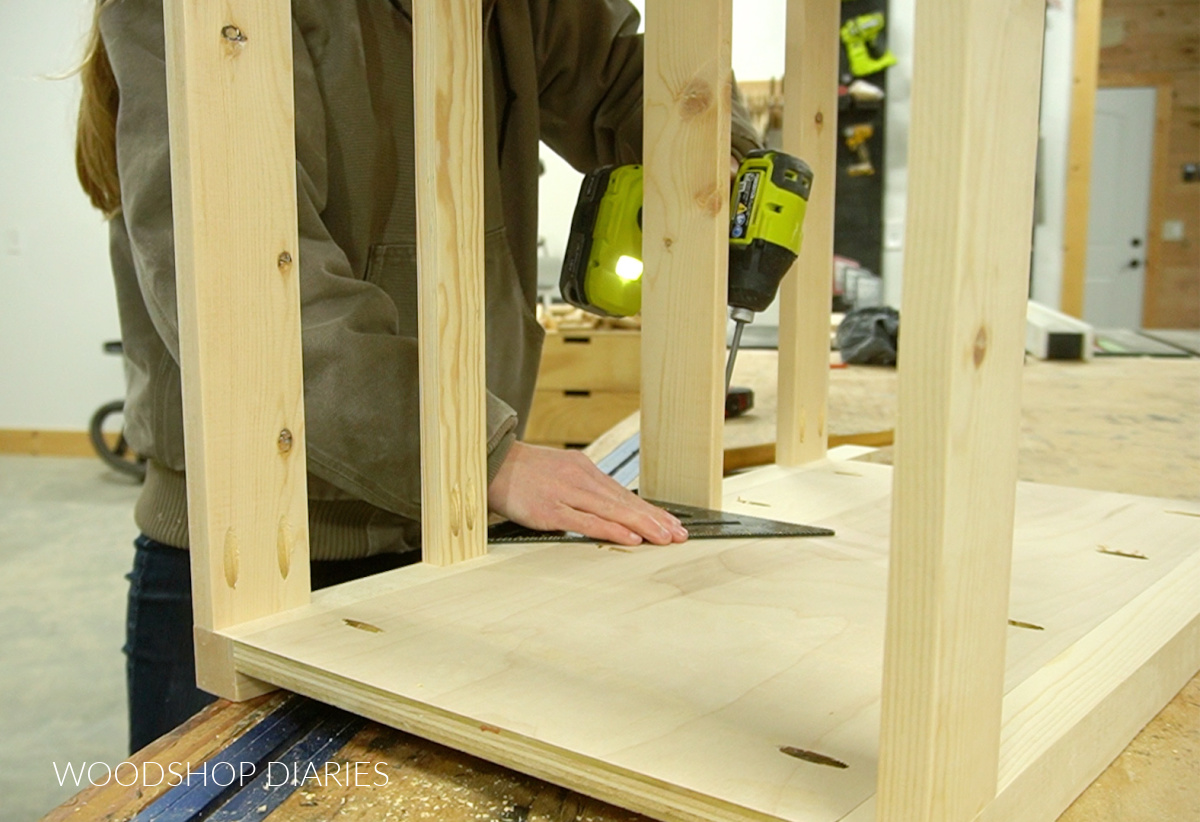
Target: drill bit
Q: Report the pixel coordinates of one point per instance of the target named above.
(741, 318)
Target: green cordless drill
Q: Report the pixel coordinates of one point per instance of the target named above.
(602, 267)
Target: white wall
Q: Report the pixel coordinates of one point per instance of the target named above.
(1058, 61)
(56, 296)
(897, 108)
(1052, 167)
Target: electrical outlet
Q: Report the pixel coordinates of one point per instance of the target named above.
(1172, 231)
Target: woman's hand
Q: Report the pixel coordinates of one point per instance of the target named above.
(552, 490)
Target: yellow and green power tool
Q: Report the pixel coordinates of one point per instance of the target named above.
(865, 48)
(602, 267)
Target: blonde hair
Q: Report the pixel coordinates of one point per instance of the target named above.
(96, 131)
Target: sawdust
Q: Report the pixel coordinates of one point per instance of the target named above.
(431, 782)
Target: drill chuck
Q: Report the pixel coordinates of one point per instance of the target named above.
(755, 273)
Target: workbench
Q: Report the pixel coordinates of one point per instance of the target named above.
(1129, 425)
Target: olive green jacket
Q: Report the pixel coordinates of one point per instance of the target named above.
(568, 73)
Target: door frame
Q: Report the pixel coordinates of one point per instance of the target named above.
(1079, 202)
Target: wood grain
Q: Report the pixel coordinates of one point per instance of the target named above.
(810, 133)
(578, 418)
(1120, 676)
(685, 247)
(591, 361)
(664, 680)
(229, 73)
(974, 141)
(45, 443)
(448, 81)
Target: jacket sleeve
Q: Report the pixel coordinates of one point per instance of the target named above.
(589, 65)
(360, 374)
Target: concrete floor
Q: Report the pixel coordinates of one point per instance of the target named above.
(66, 542)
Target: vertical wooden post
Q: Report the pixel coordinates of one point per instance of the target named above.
(1079, 155)
(448, 113)
(229, 77)
(971, 172)
(810, 132)
(685, 248)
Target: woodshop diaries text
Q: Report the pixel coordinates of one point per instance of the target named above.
(221, 774)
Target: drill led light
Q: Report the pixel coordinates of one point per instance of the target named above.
(629, 268)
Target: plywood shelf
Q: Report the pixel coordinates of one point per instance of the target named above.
(668, 680)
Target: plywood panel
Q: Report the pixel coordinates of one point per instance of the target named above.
(665, 679)
(1154, 36)
(591, 360)
(577, 417)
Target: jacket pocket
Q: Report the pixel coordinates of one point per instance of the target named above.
(393, 268)
(514, 336)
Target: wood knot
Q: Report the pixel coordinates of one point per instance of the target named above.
(711, 200)
(667, 242)
(979, 350)
(285, 441)
(235, 40)
(695, 99)
(284, 262)
(819, 118)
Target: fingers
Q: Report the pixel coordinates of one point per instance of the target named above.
(608, 500)
(599, 528)
(551, 490)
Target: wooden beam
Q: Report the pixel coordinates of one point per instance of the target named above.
(229, 78)
(48, 443)
(685, 248)
(971, 172)
(448, 82)
(752, 456)
(809, 132)
(1079, 155)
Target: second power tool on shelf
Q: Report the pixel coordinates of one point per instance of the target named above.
(602, 267)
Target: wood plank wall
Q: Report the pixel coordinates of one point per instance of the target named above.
(1164, 37)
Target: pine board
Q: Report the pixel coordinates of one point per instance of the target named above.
(667, 680)
(448, 148)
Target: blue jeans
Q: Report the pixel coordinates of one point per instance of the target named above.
(160, 666)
